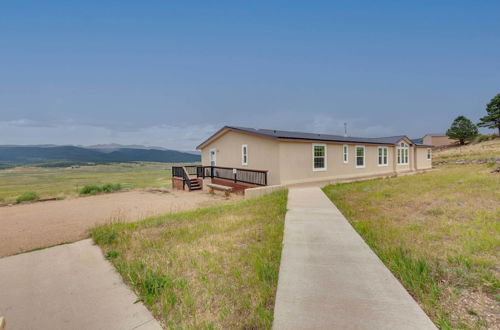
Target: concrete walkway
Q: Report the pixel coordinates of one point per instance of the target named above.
(330, 279)
(68, 287)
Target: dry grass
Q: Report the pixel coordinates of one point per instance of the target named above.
(210, 268)
(439, 233)
(487, 149)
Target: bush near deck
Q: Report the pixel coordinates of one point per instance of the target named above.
(439, 233)
(209, 268)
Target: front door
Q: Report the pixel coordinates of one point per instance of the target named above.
(213, 157)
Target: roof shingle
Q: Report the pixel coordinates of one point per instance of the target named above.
(290, 135)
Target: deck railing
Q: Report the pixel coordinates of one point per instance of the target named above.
(243, 175)
(183, 172)
(256, 177)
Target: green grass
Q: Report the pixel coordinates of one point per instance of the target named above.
(92, 189)
(68, 181)
(27, 196)
(210, 268)
(439, 233)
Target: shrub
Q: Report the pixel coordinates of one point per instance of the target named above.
(111, 187)
(27, 196)
(90, 189)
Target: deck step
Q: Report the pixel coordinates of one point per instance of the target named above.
(195, 185)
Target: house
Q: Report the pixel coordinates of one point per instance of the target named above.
(247, 157)
(437, 140)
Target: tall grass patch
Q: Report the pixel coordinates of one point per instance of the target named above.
(27, 196)
(439, 233)
(208, 268)
(92, 189)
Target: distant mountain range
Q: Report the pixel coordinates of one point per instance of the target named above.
(50, 155)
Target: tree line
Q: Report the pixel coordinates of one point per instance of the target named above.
(463, 129)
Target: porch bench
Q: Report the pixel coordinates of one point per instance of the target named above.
(212, 186)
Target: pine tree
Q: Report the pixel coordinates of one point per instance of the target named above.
(462, 129)
(492, 119)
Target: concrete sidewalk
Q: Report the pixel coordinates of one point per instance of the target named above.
(68, 287)
(330, 279)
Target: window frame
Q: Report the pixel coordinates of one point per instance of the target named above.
(212, 151)
(324, 157)
(384, 157)
(429, 153)
(403, 153)
(345, 153)
(244, 155)
(356, 156)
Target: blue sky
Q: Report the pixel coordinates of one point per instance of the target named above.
(170, 73)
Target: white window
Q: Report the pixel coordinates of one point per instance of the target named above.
(429, 154)
(345, 149)
(403, 154)
(360, 156)
(319, 157)
(244, 154)
(213, 157)
(383, 156)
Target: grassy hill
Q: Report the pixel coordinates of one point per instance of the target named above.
(438, 232)
(482, 150)
(70, 155)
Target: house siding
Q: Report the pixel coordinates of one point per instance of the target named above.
(289, 162)
(422, 162)
(437, 141)
(296, 162)
(262, 153)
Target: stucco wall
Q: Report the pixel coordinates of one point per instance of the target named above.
(262, 153)
(296, 162)
(422, 161)
(437, 141)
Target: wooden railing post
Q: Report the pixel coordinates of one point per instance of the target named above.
(186, 178)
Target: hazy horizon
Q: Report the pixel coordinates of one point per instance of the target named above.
(170, 74)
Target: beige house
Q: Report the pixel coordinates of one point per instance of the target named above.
(272, 157)
(437, 140)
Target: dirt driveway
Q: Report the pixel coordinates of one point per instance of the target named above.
(31, 226)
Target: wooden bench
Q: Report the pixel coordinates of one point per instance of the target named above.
(212, 186)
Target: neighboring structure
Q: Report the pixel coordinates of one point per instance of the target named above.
(256, 157)
(437, 140)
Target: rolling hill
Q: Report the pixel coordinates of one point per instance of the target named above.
(68, 155)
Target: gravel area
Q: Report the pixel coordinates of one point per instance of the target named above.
(31, 226)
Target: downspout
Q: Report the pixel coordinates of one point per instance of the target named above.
(413, 158)
(395, 160)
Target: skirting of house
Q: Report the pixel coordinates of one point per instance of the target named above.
(238, 187)
(261, 191)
